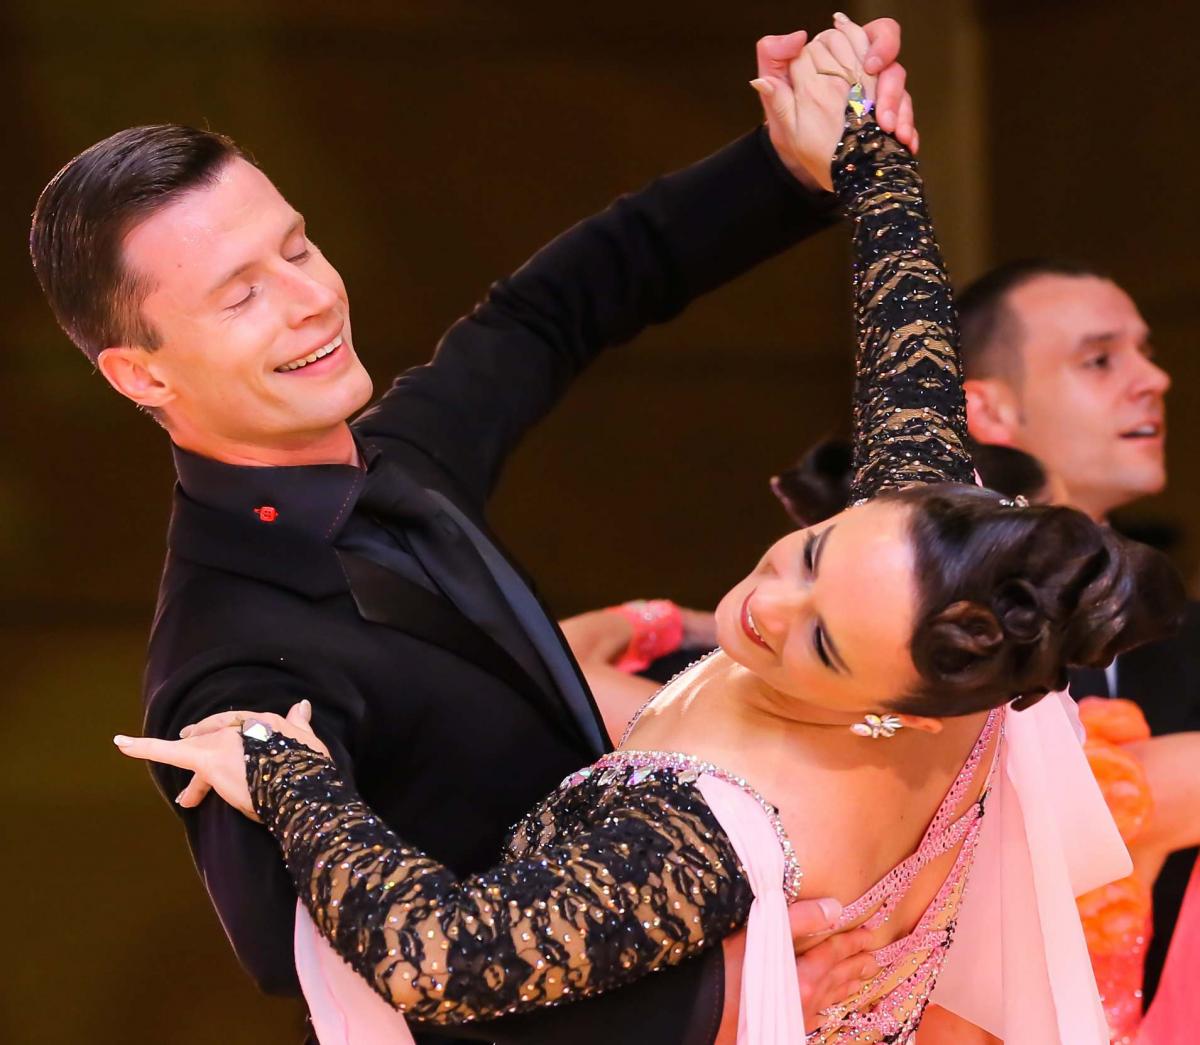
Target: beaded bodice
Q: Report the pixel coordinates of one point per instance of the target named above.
(625, 869)
(888, 1008)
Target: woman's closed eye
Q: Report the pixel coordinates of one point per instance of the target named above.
(818, 641)
(810, 572)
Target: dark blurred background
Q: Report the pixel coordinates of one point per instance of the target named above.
(432, 147)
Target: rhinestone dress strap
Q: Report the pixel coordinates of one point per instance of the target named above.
(942, 835)
(638, 766)
(888, 1008)
(654, 696)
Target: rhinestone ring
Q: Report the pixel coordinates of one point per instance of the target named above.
(256, 730)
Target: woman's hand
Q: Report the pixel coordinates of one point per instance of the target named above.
(806, 109)
(212, 749)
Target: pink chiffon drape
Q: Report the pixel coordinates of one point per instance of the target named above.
(1174, 1015)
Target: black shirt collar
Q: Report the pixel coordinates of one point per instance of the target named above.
(315, 499)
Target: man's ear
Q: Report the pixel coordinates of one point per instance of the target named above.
(993, 413)
(131, 372)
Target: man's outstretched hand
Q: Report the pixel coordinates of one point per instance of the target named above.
(893, 104)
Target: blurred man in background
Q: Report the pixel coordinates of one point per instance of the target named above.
(1059, 364)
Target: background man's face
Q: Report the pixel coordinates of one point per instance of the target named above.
(240, 297)
(1090, 399)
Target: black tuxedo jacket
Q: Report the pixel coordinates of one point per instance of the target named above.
(441, 731)
(1164, 679)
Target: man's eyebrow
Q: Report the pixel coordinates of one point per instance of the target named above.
(1102, 338)
(229, 277)
(1105, 337)
(830, 648)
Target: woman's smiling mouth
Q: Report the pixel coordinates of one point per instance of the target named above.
(749, 627)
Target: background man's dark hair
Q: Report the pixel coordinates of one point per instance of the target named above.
(989, 332)
(84, 214)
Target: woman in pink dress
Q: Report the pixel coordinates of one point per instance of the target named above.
(845, 740)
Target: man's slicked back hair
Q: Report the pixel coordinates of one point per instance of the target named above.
(83, 216)
(989, 332)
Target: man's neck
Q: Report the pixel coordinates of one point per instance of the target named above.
(334, 446)
(1095, 508)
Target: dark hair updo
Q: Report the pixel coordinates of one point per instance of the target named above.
(1009, 597)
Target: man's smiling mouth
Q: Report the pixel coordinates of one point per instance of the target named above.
(312, 357)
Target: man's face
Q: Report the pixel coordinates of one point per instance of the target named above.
(240, 299)
(1090, 401)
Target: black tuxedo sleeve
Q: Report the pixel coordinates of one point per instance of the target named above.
(236, 858)
(501, 368)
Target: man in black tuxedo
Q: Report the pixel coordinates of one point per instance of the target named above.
(1058, 364)
(351, 564)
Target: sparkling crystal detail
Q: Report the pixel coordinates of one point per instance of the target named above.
(256, 730)
(859, 103)
(877, 727)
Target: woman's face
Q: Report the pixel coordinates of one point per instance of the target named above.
(826, 616)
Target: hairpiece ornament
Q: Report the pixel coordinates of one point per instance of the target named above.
(877, 727)
(1020, 501)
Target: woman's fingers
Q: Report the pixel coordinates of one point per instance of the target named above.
(169, 752)
(220, 720)
(822, 59)
(842, 51)
(192, 795)
(300, 713)
(225, 719)
(857, 36)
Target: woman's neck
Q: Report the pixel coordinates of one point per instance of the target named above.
(726, 709)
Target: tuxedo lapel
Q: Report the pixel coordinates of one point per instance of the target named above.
(384, 597)
(295, 561)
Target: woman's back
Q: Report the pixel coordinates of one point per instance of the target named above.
(854, 809)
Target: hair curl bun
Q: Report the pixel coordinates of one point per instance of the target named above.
(1010, 598)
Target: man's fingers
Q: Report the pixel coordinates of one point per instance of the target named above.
(847, 945)
(905, 128)
(192, 795)
(884, 34)
(774, 53)
(889, 93)
(169, 752)
(808, 917)
(861, 967)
